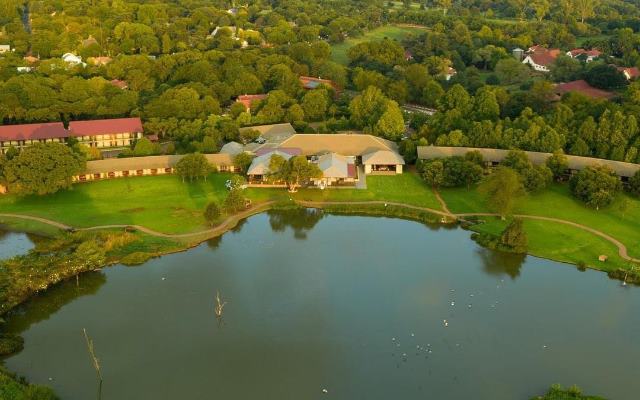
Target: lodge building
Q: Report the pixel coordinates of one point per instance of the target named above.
(105, 133)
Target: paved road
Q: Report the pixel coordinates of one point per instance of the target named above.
(622, 249)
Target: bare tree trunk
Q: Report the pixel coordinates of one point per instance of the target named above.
(95, 361)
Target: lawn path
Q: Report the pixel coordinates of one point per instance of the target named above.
(224, 226)
(443, 204)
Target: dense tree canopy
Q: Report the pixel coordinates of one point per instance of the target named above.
(42, 169)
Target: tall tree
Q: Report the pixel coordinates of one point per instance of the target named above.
(43, 169)
(502, 188)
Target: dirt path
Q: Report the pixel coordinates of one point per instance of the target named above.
(231, 221)
(443, 204)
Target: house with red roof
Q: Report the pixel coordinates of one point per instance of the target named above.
(581, 86)
(584, 55)
(250, 99)
(118, 132)
(540, 58)
(631, 73)
(20, 136)
(119, 84)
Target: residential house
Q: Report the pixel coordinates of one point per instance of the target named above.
(98, 61)
(250, 99)
(451, 72)
(631, 73)
(584, 55)
(5, 48)
(20, 136)
(119, 132)
(582, 87)
(119, 84)
(24, 69)
(73, 59)
(540, 58)
(31, 59)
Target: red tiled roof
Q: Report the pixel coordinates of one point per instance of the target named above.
(119, 84)
(51, 130)
(249, 99)
(633, 72)
(105, 126)
(584, 88)
(589, 53)
(543, 58)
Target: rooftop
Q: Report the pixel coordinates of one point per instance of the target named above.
(105, 126)
(50, 130)
(348, 144)
(497, 155)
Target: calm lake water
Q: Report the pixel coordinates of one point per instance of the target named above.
(13, 244)
(353, 305)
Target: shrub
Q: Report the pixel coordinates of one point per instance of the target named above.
(596, 185)
(212, 213)
(10, 344)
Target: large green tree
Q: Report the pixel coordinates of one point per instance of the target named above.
(43, 169)
(193, 166)
(502, 188)
(596, 185)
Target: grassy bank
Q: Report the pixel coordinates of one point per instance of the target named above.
(15, 388)
(561, 242)
(168, 205)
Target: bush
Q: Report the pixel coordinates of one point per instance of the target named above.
(634, 184)
(514, 237)
(596, 185)
(137, 258)
(10, 344)
(234, 201)
(493, 80)
(212, 213)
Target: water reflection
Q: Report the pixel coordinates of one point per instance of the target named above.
(41, 307)
(373, 308)
(300, 220)
(499, 263)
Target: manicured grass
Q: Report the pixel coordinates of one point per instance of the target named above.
(339, 51)
(163, 203)
(166, 204)
(561, 243)
(557, 202)
(407, 188)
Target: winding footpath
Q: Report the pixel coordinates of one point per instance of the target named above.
(233, 220)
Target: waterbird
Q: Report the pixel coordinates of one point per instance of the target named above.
(325, 391)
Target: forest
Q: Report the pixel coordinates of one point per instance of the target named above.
(181, 65)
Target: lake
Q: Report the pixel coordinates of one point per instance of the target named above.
(13, 243)
(366, 308)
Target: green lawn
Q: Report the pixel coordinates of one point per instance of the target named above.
(561, 243)
(617, 221)
(407, 188)
(166, 204)
(339, 51)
